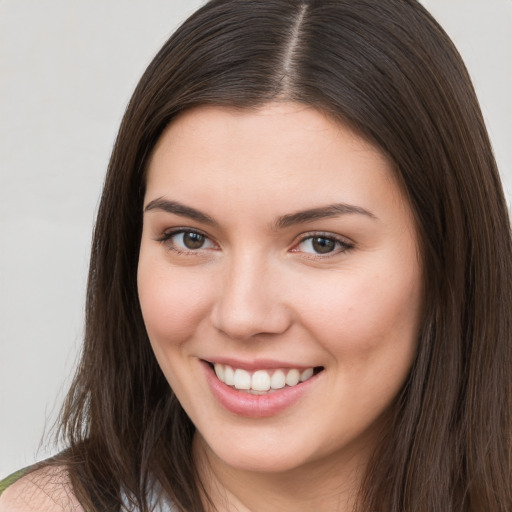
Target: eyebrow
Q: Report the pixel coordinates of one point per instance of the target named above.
(302, 217)
(324, 212)
(180, 209)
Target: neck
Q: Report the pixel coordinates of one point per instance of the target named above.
(324, 486)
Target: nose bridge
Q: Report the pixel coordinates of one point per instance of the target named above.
(248, 301)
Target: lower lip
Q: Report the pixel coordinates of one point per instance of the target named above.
(255, 406)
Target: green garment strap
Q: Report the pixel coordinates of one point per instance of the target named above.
(6, 482)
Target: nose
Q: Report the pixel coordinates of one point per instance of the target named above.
(250, 300)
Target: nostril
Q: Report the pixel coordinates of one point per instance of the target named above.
(245, 311)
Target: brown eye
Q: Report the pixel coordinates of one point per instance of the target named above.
(323, 245)
(192, 240)
(184, 241)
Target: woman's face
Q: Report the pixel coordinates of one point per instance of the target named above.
(278, 249)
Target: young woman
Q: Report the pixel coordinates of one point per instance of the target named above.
(300, 279)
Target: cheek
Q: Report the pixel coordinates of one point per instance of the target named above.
(172, 307)
(366, 315)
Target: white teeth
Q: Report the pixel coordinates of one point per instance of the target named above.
(229, 376)
(219, 371)
(242, 379)
(278, 380)
(293, 377)
(306, 374)
(261, 381)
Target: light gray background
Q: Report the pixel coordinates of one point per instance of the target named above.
(67, 69)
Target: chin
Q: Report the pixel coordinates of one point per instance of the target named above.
(267, 456)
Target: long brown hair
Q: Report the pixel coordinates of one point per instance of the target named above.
(387, 69)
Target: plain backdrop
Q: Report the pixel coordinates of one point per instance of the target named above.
(67, 70)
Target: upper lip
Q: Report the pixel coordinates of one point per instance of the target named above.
(258, 364)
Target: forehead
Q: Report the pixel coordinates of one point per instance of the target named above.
(274, 123)
(279, 143)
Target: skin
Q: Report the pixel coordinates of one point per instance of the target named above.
(257, 289)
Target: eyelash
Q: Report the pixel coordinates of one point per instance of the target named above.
(166, 240)
(341, 244)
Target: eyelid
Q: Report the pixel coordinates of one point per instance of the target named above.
(166, 236)
(345, 244)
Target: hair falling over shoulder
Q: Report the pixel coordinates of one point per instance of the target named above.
(386, 69)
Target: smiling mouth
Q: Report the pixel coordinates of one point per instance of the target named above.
(262, 382)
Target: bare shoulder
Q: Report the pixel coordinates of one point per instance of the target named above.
(45, 490)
